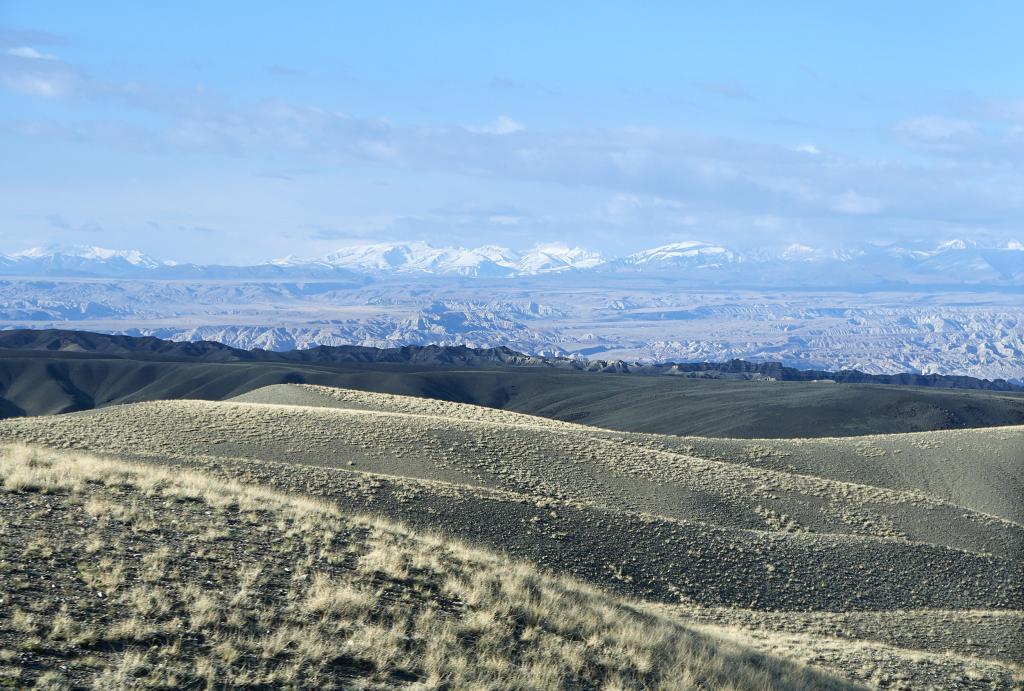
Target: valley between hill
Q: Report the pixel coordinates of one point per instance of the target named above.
(83, 375)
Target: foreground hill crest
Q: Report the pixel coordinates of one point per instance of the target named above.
(342, 600)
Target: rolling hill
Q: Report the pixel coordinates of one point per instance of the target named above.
(138, 578)
(878, 573)
(55, 372)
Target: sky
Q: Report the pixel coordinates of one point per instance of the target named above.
(243, 131)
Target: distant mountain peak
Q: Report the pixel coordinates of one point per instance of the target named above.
(798, 252)
(950, 261)
(558, 256)
(87, 253)
(955, 244)
(421, 257)
(689, 253)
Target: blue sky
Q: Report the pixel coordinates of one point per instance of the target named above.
(237, 132)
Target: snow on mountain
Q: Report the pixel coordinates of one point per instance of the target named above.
(949, 261)
(101, 262)
(799, 253)
(954, 261)
(923, 250)
(290, 261)
(79, 260)
(802, 253)
(489, 260)
(420, 257)
(557, 257)
(87, 253)
(481, 261)
(384, 257)
(691, 254)
(965, 259)
(955, 244)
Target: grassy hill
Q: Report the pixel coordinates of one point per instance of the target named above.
(122, 576)
(46, 382)
(855, 555)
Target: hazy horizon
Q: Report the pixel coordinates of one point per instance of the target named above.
(237, 135)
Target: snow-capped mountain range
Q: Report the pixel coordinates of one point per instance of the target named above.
(948, 262)
(79, 258)
(951, 308)
(488, 260)
(691, 254)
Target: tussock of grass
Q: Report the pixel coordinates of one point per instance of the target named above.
(157, 579)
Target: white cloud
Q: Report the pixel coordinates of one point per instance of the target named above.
(26, 70)
(935, 127)
(502, 125)
(1007, 109)
(851, 202)
(770, 223)
(995, 132)
(34, 85)
(29, 53)
(647, 210)
(656, 178)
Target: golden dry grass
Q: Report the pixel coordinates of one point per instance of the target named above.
(120, 576)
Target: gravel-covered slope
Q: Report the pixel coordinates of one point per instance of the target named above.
(808, 560)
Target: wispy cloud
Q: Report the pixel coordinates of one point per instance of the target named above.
(29, 53)
(965, 164)
(991, 131)
(501, 125)
(11, 37)
(285, 71)
(852, 202)
(935, 128)
(730, 175)
(1005, 109)
(726, 89)
(507, 84)
(29, 71)
(58, 222)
